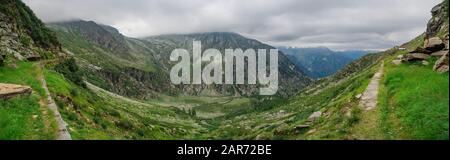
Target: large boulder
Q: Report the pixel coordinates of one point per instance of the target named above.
(421, 50)
(434, 44)
(439, 53)
(396, 62)
(415, 57)
(8, 91)
(315, 116)
(441, 65)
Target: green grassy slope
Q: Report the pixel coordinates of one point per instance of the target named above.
(413, 104)
(414, 99)
(132, 73)
(417, 98)
(100, 115)
(25, 117)
(281, 120)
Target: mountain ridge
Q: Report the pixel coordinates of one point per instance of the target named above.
(155, 52)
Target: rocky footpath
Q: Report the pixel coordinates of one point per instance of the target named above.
(8, 91)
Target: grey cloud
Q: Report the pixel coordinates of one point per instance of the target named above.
(338, 24)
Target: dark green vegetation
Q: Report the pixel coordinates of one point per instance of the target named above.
(71, 71)
(320, 62)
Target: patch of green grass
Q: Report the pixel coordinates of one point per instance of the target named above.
(16, 114)
(25, 74)
(419, 98)
(17, 123)
(279, 120)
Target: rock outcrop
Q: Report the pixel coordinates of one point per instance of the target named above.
(442, 65)
(315, 116)
(436, 42)
(8, 91)
(22, 35)
(415, 57)
(439, 53)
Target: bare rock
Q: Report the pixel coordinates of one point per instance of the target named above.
(425, 63)
(435, 25)
(421, 50)
(442, 65)
(301, 127)
(434, 44)
(312, 131)
(8, 91)
(397, 62)
(439, 53)
(315, 116)
(415, 57)
(260, 137)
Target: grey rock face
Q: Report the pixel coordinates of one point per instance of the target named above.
(420, 50)
(439, 53)
(442, 65)
(315, 116)
(10, 41)
(436, 24)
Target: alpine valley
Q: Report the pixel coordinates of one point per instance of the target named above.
(83, 80)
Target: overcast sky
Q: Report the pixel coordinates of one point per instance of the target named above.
(337, 24)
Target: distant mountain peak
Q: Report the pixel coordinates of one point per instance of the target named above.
(319, 62)
(105, 36)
